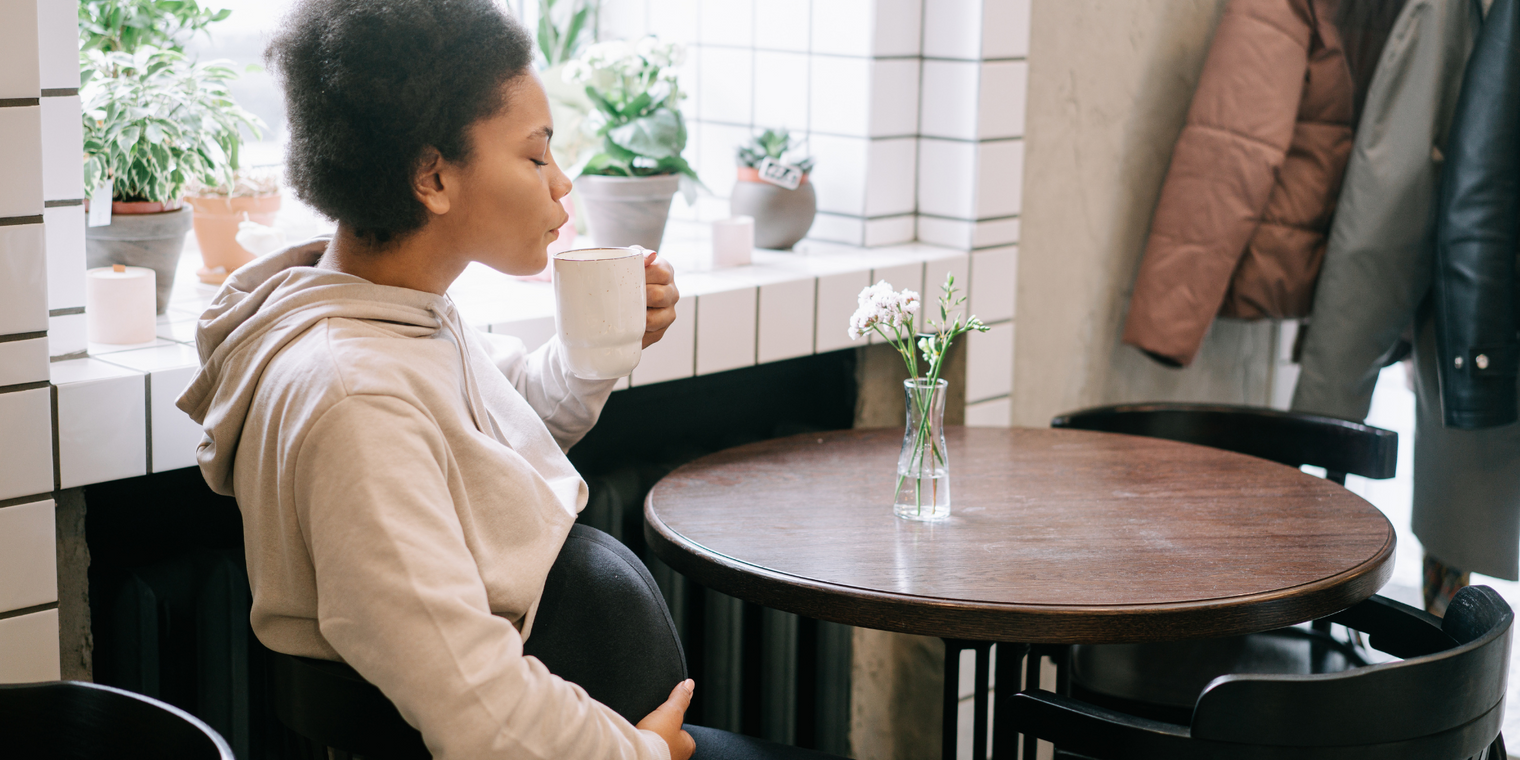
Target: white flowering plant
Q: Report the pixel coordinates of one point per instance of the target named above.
(633, 87)
(892, 315)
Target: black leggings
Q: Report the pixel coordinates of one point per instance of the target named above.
(603, 624)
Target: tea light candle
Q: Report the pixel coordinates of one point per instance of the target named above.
(733, 241)
(120, 304)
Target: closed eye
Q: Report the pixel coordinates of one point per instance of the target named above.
(537, 162)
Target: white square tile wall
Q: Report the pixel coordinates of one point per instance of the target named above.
(674, 356)
(26, 449)
(995, 274)
(725, 330)
(837, 296)
(786, 320)
(727, 22)
(840, 177)
(835, 228)
(783, 25)
(947, 178)
(781, 92)
(727, 99)
(843, 27)
(995, 413)
(23, 275)
(890, 230)
(58, 34)
(999, 178)
(63, 234)
(102, 422)
(1005, 29)
(62, 136)
(19, 76)
(170, 369)
(23, 361)
(28, 565)
(67, 334)
(951, 233)
(20, 157)
(29, 648)
(953, 29)
(674, 20)
(950, 99)
(894, 97)
(935, 272)
(989, 363)
(897, 27)
(1001, 97)
(995, 232)
(841, 96)
(892, 168)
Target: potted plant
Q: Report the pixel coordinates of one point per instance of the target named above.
(251, 196)
(153, 121)
(627, 183)
(773, 188)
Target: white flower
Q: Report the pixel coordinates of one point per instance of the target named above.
(879, 305)
(576, 72)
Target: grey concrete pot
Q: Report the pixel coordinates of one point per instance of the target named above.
(782, 216)
(623, 211)
(154, 241)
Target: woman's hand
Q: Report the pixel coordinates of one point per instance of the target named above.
(660, 295)
(666, 719)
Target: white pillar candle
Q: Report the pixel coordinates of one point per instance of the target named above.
(733, 241)
(120, 304)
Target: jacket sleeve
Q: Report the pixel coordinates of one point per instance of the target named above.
(1378, 260)
(400, 599)
(1236, 137)
(1476, 234)
(568, 405)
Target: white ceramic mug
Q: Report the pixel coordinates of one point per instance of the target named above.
(599, 310)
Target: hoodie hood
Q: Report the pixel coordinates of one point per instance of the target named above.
(260, 309)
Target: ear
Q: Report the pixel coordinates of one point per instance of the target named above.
(429, 181)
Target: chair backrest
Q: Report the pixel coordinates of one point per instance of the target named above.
(1445, 701)
(1291, 438)
(84, 721)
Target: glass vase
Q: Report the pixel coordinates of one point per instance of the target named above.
(923, 466)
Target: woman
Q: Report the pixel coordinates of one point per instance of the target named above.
(402, 477)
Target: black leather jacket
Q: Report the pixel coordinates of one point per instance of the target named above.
(1478, 234)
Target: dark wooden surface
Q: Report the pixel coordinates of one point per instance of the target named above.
(1055, 536)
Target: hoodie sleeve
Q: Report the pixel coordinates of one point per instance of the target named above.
(401, 601)
(568, 405)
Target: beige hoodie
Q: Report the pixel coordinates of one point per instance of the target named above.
(404, 490)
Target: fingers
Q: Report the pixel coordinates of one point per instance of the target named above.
(680, 696)
(658, 271)
(683, 747)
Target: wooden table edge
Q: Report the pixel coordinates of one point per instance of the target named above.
(1031, 624)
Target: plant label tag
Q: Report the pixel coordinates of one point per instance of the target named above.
(100, 206)
(779, 174)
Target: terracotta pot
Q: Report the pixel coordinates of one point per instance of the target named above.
(153, 240)
(216, 227)
(782, 216)
(624, 211)
(139, 207)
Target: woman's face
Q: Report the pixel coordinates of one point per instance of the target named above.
(506, 210)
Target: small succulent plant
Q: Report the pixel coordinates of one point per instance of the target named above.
(775, 144)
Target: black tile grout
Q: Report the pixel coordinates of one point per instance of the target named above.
(19, 387)
(23, 336)
(19, 500)
(28, 610)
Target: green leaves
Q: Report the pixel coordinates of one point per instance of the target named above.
(661, 134)
(153, 121)
(559, 43)
(775, 144)
(127, 25)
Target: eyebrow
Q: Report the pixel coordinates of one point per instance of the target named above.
(545, 132)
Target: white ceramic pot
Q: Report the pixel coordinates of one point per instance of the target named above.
(623, 211)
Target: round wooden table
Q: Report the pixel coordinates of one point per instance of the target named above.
(1054, 537)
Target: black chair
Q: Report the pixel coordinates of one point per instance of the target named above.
(1290, 438)
(85, 721)
(1161, 681)
(601, 624)
(1444, 701)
